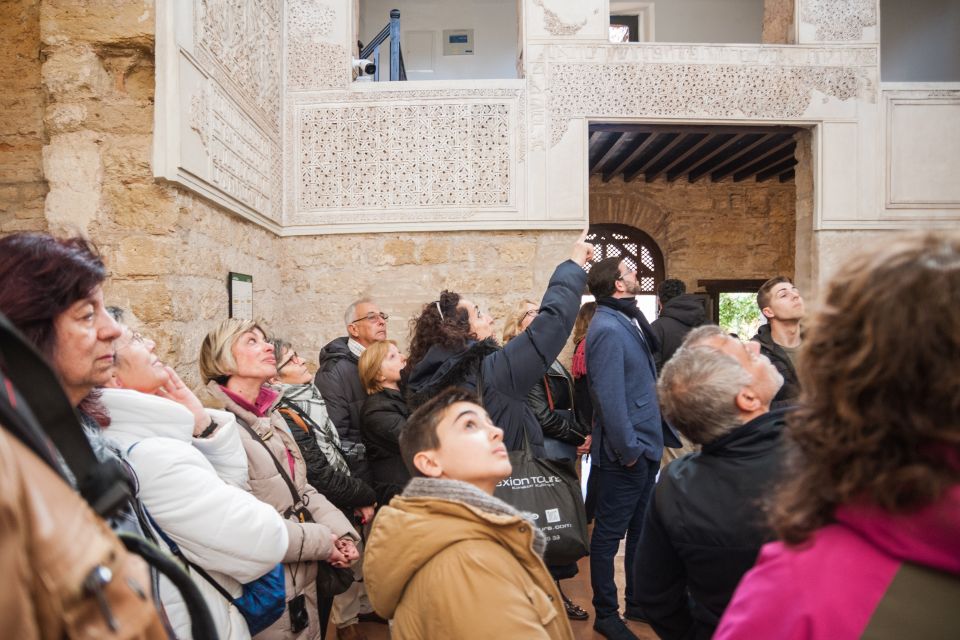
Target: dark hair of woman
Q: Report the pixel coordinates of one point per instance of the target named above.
(440, 322)
(42, 277)
(879, 418)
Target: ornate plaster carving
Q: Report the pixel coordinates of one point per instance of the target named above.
(307, 19)
(316, 66)
(239, 44)
(840, 20)
(389, 156)
(692, 90)
(313, 62)
(244, 161)
(557, 27)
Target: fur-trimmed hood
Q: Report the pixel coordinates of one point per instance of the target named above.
(442, 368)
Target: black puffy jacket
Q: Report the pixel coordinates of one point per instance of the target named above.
(791, 385)
(508, 373)
(678, 316)
(381, 419)
(555, 411)
(704, 528)
(343, 490)
(339, 384)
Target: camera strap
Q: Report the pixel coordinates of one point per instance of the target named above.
(45, 414)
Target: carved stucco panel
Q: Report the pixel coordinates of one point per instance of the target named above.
(839, 20)
(239, 43)
(313, 61)
(554, 25)
(384, 156)
(578, 90)
(244, 162)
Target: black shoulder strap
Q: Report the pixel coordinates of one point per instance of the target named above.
(39, 388)
(283, 473)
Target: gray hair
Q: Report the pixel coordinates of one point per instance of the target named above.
(703, 333)
(348, 315)
(698, 388)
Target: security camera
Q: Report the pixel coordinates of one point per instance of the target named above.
(364, 67)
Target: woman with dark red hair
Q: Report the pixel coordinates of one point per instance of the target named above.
(52, 292)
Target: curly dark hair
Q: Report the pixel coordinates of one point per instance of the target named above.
(879, 416)
(440, 322)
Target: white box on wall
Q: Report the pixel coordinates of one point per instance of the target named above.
(458, 42)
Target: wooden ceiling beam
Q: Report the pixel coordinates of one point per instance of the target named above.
(643, 141)
(663, 142)
(601, 145)
(735, 148)
(711, 146)
(685, 145)
(782, 152)
(776, 169)
(618, 150)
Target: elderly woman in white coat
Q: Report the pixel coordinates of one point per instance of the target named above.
(237, 361)
(192, 473)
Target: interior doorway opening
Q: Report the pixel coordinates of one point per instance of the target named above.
(728, 206)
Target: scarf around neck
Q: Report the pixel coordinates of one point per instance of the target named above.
(307, 398)
(457, 491)
(629, 308)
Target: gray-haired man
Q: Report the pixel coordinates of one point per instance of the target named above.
(704, 526)
(337, 378)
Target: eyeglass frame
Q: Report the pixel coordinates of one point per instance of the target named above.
(135, 337)
(371, 317)
(289, 360)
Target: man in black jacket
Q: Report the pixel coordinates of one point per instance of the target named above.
(679, 313)
(337, 378)
(705, 523)
(780, 302)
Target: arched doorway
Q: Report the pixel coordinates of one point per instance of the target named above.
(639, 251)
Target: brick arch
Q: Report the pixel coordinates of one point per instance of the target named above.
(636, 211)
(634, 246)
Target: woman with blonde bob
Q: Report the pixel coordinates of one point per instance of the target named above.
(382, 417)
(236, 362)
(869, 520)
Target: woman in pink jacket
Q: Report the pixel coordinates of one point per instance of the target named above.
(869, 521)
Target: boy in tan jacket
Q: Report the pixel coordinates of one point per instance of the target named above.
(446, 559)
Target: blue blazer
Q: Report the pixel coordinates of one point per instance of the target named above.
(623, 386)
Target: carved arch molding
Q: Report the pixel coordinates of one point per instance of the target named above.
(256, 110)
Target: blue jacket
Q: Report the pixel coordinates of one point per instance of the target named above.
(623, 386)
(508, 373)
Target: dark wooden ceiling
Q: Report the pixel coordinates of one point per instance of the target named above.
(671, 152)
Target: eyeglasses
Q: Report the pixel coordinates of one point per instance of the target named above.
(372, 317)
(135, 338)
(292, 357)
(628, 272)
(532, 312)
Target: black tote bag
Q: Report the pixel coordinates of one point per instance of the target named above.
(550, 490)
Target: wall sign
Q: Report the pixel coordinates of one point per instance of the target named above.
(240, 288)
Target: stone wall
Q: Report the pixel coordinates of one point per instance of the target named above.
(22, 186)
(168, 251)
(707, 230)
(404, 271)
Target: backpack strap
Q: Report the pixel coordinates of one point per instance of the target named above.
(175, 549)
(293, 415)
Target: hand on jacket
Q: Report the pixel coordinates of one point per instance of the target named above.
(585, 447)
(365, 513)
(582, 250)
(176, 390)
